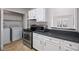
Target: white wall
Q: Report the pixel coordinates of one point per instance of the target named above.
(1, 30)
(25, 21)
(57, 12)
(78, 19)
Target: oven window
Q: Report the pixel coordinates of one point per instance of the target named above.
(26, 36)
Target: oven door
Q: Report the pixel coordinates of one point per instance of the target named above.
(27, 37)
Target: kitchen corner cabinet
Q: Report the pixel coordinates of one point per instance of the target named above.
(45, 43)
(38, 14)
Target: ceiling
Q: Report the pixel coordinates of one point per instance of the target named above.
(18, 10)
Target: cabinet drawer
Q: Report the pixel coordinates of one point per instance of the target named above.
(39, 35)
(51, 39)
(49, 46)
(54, 40)
(72, 45)
(66, 49)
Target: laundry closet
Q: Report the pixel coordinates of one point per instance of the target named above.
(12, 26)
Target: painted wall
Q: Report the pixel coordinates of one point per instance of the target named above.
(25, 21)
(78, 19)
(1, 29)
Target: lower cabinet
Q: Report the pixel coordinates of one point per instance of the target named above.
(51, 47)
(66, 49)
(69, 46)
(45, 43)
(38, 43)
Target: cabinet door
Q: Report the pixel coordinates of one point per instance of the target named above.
(40, 14)
(51, 46)
(66, 49)
(38, 43)
(71, 45)
(32, 14)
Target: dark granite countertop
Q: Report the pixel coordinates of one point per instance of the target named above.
(64, 35)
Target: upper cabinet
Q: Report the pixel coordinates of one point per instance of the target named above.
(38, 14)
(31, 14)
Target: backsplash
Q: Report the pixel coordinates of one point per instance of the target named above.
(29, 23)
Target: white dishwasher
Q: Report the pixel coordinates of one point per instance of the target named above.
(6, 35)
(16, 33)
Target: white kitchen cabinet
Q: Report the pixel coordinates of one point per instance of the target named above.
(71, 45)
(50, 46)
(38, 14)
(45, 43)
(32, 14)
(66, 49)
(38, 43)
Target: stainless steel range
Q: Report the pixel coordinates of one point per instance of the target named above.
(28, 38)
(28, 35)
